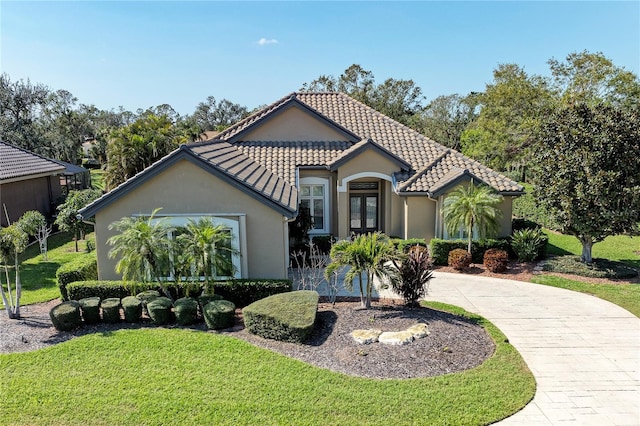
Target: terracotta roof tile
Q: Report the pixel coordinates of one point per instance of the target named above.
(17, 162)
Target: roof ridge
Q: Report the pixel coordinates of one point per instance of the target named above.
(424, 170)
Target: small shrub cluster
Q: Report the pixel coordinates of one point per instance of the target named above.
(90, 308)
(186, 311)
(440, 249)
(82, 268)
(66, 316)
(529, 244)
(160, 310)
(600, 268)
(405, 245)
(219, 314)
(111, 310)
(132, 308)
(459, 259)
(288, 317)
(496, 260)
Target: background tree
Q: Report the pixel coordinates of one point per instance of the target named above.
(67, 219)
(587, 172)
(446, 117)
(214, 115)
(472, 206)
(35, 225)
(13, 241)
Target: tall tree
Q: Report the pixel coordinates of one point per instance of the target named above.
(445, 118)
(67, 218)
(214, 115)
(587, 173)
(472, 207)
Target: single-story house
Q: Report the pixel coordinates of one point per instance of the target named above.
(355, 169)
(74, 177)
(27, 182)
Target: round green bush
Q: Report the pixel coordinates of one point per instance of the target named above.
(90, 307)
(111, 310)
(132, 307)
(219, 314)
(147, 296)
(206, 298)
(186, 310)
(66, 316)
(160, 310)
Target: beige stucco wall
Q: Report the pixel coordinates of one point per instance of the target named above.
(187, 188)
(294, 125)
(505, 221)
(420, 216)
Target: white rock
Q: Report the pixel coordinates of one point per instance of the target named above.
(396, 337)
(366, 336)
(419, 330)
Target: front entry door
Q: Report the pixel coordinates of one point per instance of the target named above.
(363, 213)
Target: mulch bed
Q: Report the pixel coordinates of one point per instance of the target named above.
(455, 344)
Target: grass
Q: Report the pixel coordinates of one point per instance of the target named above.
(38, 277)
(180, 376)
(624, 295)
(622, 248)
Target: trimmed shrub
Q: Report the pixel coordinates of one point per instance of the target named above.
(599, 268)
(145, 297)
(82, 268)
(288, 317)
(440, 249)
(529, 244)
(104, 289)
(206, 298)
(186, 310)
(160, 310)
(496, 260)
(459, 259)
(415, 273)
(246, 291)
(90, 307)
(66, 316)
(219, 314)
(132, 308)
(111, 310)
(405, 245)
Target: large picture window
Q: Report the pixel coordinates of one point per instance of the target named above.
(314, 195)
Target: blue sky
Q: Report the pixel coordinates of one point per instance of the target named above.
(142, 54)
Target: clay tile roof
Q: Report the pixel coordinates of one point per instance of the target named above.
(18, 163)
(426, 161)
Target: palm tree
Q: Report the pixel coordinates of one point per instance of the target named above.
(472, 206)
(369, 254)
(142, 247)
(205, 249)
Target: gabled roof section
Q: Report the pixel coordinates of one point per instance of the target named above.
(71, 169)
(235, 132)
(19, 164)
(362, 146)
(222, 160)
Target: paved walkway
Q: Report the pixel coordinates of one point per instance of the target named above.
(583, 351)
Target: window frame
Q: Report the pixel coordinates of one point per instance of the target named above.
(311, 182)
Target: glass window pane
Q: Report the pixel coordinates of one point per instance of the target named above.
(355, 215)
(305, 190)
(318, 214)
(318, 190)
(372, 212)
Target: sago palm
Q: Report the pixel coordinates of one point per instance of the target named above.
(472, 206)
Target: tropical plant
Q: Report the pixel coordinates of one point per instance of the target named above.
(142, 248)
(528, 244)
(472, 207)
(13, 241)
(35, 225)
(415, 272)
(67, 218)
(204, 251)
(370, 254)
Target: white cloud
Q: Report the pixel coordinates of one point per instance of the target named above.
(263, 41)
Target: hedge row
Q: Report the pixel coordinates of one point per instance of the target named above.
(82, 268)
(240, 292)
(440, 248)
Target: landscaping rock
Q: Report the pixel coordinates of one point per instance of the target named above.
(419, 330)
(364, 337)
(396, 337)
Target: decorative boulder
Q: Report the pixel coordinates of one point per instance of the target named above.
(160, 310)
(111, 310)
(90, 307)
(186, 310)
(365, 337)
(66, 316)
(219, 314)
(132, 307)
(396, 337)
(419, 330)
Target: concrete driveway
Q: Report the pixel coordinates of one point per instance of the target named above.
(583, 351)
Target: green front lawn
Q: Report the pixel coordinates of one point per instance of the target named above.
(622, 248)
(39, 277)
(179, 376)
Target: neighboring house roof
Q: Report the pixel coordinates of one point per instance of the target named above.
(19, 164)
(222, 160)
(71, 169)
(423, 163)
